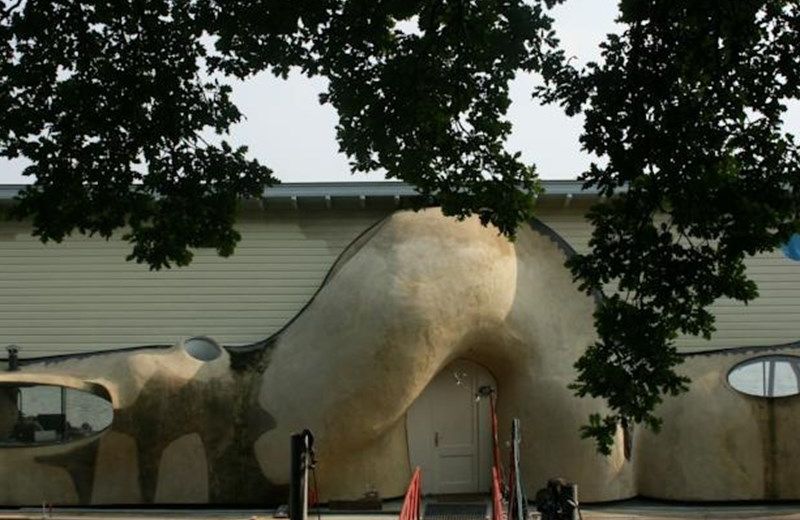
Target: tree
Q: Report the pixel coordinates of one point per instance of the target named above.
(110, 102)
(687, 110)
(106, 96)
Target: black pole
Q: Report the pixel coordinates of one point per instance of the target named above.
(63, 421)
(13, 358)
(573, 501)
(302, 461)
(296, 508)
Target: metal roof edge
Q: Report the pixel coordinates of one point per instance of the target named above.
(356, 189)
(8, 191)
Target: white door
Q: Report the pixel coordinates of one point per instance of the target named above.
(449, 431)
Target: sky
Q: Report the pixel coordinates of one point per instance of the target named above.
(288, 130)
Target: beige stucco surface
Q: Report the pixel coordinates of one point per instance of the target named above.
(719, 444)
(421, 292)
(116, 474)
(416, 293)
(183, 472)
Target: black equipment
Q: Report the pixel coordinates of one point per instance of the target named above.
(302, 460)
(558, 501)
(13, 358)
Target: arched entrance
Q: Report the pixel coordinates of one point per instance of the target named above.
(449, 431)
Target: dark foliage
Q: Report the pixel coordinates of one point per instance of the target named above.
(687, 110)
(96, 94)
(110, 102)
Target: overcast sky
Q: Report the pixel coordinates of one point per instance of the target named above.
(289, 131)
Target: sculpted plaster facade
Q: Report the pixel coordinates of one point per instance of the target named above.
(414, 293)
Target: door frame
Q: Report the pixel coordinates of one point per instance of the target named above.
(420, 430)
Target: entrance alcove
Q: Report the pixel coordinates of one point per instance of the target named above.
(449, 431)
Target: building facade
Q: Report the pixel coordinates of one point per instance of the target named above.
(377, 328)
(82, 296)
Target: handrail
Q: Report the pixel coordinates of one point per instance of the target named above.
(496, 440)
(498, 509)
(517, 502)
(411, 503)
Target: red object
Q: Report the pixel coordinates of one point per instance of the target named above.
(498, 511)
(410, 510)
(313, 498)
(496, 440)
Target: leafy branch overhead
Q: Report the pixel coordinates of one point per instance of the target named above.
(103, 96)
(122, 109)
(108, 102)
(686, 107)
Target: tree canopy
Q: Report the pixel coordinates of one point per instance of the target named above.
(686, 108)
(110, 102)
(103, 96)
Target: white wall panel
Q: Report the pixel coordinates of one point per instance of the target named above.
(771, 319)
(82, 295)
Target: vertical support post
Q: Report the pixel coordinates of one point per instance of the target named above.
(63, 424)
(13, 358)
(518, 505)
(576, 513)
(302, 459)
(297, 486)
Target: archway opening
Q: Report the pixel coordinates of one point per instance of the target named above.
(449, 431)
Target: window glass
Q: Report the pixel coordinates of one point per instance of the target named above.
(86, 413)
(202, 348)
(767, 376)
(40, 418)
(42, 414)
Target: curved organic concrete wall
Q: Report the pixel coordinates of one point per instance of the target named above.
(720, 444)
(417, 292)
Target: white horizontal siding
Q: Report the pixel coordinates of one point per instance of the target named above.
(771, 319)
(81, 295)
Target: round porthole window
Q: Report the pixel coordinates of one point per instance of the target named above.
(767, 376)
(202, 348)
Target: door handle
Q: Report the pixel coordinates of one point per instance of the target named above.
(436, 439)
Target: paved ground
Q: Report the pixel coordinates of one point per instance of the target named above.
(645, 510)
(628, 510)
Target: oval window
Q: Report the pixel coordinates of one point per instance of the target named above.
(202, 348)
(45, 414)
(767, 376)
